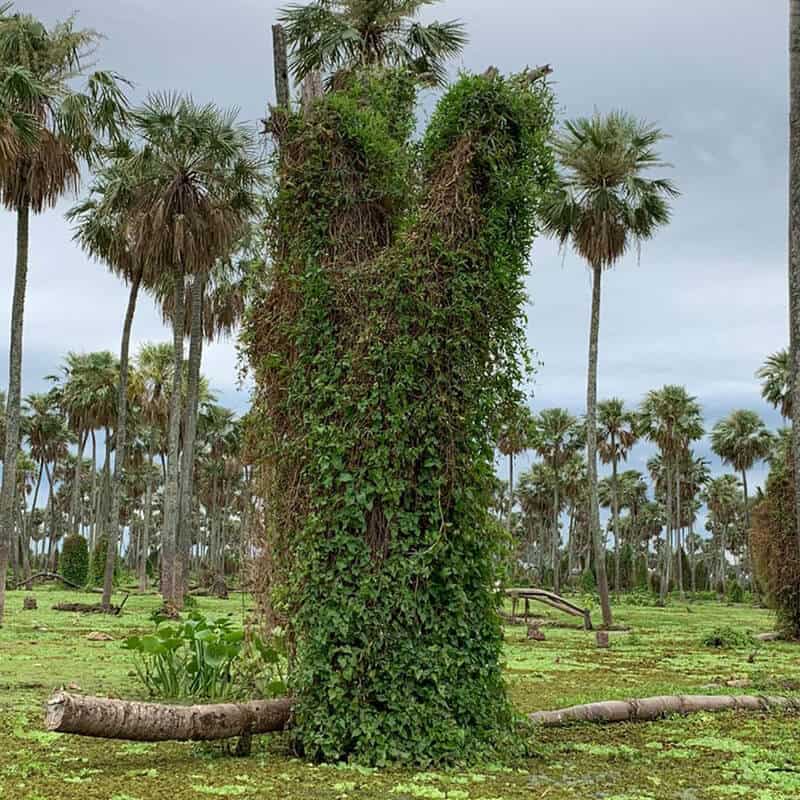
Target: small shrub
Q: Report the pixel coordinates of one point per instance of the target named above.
(202, 659)
(736, 593)
(75, 559)
(588, 584)
(728, 638)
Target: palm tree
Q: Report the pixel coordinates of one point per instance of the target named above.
(741, 440)
(776, 378)
(102, 231)
(70, 125)
(514, 438)
(557, 436)
(48, 438)
(196, 177)
(335, 36)
(616, 435)
(723, 498)
(603, 206)
(671, 419)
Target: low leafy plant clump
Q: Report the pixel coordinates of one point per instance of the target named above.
(208, 659)
(727, 637)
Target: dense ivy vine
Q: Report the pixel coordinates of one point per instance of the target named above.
(386, 343)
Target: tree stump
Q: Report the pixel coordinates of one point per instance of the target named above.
(29, 603)
(602, 638)
(219, 588)
(534, 634)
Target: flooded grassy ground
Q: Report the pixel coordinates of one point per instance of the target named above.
(701, 757)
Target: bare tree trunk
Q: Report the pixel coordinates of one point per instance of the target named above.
(650, 708)
(74, 512)
(555, 557)
(121, 435)
(190, 434)
(280, 63)
(615, 511)
(679, 543)
(169, 538)
(148, 518)
(152, 722)
(591, 452)
(13, 402)
(93, 496)
(666, 562)
(510, 490)
(794, 243)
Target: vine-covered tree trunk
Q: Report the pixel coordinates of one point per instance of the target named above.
(13, 400)
(591, 452)
(386, 345)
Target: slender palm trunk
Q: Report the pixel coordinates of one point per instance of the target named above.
(169, 539)
(591, 451)
(615, 512)
(148, 517)
(14, 399)
(556, 557)
(678, 536)
(121, 434)
(190, 433)
(93, 496)
(666, 561)
(510, 490)
(74, 516)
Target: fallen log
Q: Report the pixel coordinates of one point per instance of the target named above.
(106, 718)
(652, 708)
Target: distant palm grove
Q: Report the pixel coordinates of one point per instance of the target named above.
(131, 452)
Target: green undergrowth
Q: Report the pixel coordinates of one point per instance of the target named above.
(703, 757)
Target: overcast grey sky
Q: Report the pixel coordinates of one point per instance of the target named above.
(704, 306)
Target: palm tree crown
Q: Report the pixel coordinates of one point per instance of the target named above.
(604, 203)
(337, 35)
(741, 439)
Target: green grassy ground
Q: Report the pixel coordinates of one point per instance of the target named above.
(704, 756)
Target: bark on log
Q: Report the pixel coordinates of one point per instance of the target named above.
(651, 708)
(106, 718)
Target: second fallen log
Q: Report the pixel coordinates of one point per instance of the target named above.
(106, 718)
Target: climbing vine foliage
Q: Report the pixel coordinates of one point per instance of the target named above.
(387, 343)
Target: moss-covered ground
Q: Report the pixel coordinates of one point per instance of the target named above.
(699, 757)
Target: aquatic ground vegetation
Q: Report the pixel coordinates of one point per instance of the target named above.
(387, 343)
(206, 659)
(727, 637)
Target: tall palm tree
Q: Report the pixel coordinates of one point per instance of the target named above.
(776, 382)
(741, 440)
(724, 500)
(671, 419)
(102, 230)
(794, 242)
(196, 175)
(70, 124)
(616, 435)
(557, 436)
(336, 35)
(514, 438)
(605, 204)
